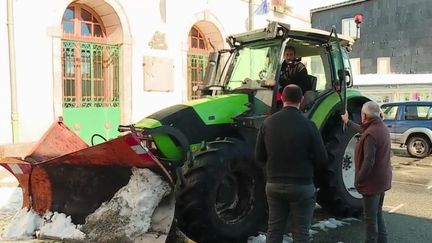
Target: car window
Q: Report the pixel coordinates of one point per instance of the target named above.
(390, 112)
(417, 112)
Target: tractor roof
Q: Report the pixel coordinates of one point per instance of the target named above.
(310, 34)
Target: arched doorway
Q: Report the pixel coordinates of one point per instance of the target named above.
(90, 74)
(203, 36)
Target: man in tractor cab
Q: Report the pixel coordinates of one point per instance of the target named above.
(293, 71)
(291, 147)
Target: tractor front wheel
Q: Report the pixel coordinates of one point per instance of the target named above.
(223, 199)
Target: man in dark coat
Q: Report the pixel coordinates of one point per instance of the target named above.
(373, 172)
(291, 147)
(293, 71)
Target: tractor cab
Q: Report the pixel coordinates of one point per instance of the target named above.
(253, 65)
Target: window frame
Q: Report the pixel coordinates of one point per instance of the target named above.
(77, 22)
(352, 28)
(380, 68)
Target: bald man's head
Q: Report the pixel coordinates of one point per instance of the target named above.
(292, 94)
(371, 110)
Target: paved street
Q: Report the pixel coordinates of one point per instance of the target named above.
(408, 205)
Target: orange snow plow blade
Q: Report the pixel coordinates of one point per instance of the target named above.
(63, 174)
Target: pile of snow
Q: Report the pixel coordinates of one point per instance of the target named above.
(26, 223)
(23, 225)
(330, 223)
(128, 214)
(125, 217)
(60, 225)
(261, 238)
(10, 200)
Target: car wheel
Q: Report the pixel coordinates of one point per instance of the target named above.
(418, 146)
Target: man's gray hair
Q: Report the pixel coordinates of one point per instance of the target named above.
(371, 109)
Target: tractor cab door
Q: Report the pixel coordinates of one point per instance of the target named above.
(340, 66)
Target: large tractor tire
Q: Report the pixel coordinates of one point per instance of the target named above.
(223, 199)
(337, 193)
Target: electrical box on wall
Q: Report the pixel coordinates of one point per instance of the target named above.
(158, 74)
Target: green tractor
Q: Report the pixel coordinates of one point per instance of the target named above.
(223, 191)
(205, 147)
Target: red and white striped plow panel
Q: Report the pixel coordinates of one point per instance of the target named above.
(16, 166)
(143, 152)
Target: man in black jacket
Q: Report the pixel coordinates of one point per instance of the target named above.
(293, 71)
(291, 147)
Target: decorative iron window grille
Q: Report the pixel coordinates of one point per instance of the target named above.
(197, 63)
(91, 74)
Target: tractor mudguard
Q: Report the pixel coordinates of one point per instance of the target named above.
(63, 174)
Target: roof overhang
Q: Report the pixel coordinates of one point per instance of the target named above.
(337, 5)
(286, 31)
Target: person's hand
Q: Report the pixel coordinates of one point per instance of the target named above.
(345, 117)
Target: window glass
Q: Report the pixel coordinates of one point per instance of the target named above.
(349, 27)
(194, 32)
(69, 13)
(316, 68)
(417, 112)
(390, 112)
(85, 29)
(87, 24)
(68, 27)
(86, 16)
(338, 62)
(254, 64)
(197, 39)
(355, 66)
(383, 65)
(201, 44)
(98, 31)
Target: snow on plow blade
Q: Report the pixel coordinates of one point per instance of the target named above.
(63, 174)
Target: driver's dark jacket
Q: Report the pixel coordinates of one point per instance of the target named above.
(291, 147)
(294, 73)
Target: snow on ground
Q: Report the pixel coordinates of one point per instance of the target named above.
(261, 238)
(323, 225)
(10, 199)
(23, 225)
(330, 223)
(60, 225)
(126, 216)
(10, 203)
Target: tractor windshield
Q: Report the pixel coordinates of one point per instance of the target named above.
(254, 64)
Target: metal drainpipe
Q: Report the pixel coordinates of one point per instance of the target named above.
(251, 15)
(11, 41)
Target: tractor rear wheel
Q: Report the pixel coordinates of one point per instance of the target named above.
(337, 193)
(223, 199)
